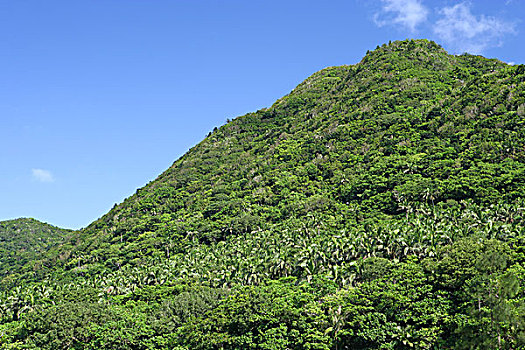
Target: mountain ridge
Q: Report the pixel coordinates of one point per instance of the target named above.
(377, 205)
(314, 95)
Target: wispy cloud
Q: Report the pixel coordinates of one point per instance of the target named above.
(465, 32)
(407, 13)
(42, 175)
(455, 27)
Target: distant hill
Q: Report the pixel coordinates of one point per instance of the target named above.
(25, 240)
(379, 205)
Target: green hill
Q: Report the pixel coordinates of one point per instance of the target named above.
(24, 241)
(377, 206)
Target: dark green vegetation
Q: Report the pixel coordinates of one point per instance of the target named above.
(23, 242)
(377, 206)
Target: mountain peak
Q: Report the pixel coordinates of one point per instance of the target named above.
(404, 172)
(410, 53)
(411, 45)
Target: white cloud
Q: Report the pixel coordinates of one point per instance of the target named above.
(407, 13)
(465, 32)
(42, 175)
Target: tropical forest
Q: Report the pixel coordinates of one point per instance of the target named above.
(379, 205)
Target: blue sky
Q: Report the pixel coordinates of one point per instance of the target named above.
(98, 97)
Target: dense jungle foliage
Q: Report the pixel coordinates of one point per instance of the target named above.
(379, 205)
(23, 242)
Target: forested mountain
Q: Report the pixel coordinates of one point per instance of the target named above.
(377, 206)
(23, 242)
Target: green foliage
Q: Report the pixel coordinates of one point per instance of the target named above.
(487, 294)
(22, 243)
(376, 206)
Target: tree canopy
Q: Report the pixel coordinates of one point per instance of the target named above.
(377, 206)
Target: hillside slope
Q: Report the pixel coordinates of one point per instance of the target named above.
(377, 206)
(24, 241)
(408, 124)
